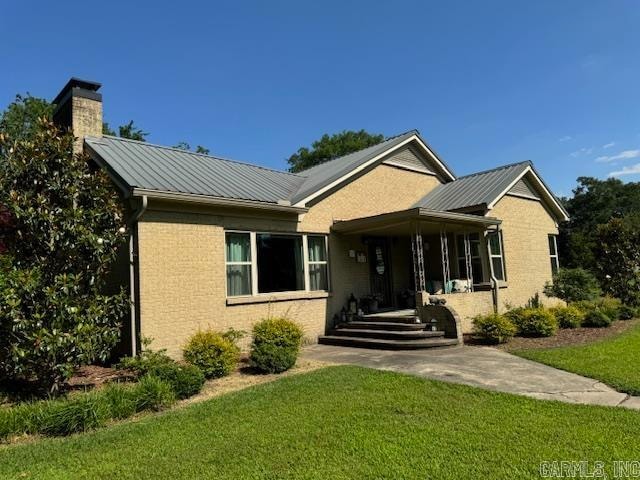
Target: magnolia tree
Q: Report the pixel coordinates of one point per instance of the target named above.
(618, 258)
(61, 224)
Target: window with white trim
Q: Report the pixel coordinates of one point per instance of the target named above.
(239, 266)
(259, 263)
(553, 253)
(317, 249)
(496, 255)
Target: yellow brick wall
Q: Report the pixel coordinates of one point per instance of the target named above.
(86, 121)
(381, 190)
(525, 227)
(182, 263)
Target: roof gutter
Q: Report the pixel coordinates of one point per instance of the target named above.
(216, 201)
(134, 278)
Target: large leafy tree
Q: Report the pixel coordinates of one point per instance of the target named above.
(594, 203)
(618, 257)
(20, 119)
(62, 223)
(333, 146)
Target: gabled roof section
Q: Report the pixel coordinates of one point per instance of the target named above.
(140, 165)
(335, 172)
(484, 189)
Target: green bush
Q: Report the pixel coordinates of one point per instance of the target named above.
(536, 322)
(146, 361)
(85, 411)
(573, 285)
(185, 379)
(152, 393)
(610, 307)
(213, 353)
(597, 319)
(626, 312)
(493, 328)
(568, 317)
(276, 343)
(515, 315)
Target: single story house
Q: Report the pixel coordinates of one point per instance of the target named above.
(220, 243)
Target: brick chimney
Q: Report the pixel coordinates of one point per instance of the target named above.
(79, 108)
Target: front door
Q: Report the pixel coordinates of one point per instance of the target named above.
(380, 272)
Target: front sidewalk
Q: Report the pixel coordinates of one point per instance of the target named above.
(483, 367)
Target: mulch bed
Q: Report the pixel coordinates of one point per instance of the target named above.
(568, 337)
(92, 376)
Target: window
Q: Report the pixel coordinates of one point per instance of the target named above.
(496, 255)
(268, 263)
(553, 253)
(476, 260)
(317, 263)
(280, 265)
(238, 258)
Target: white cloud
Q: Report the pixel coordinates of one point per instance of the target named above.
(609, 145)
(566, 138)
(624, 155)
(582, 151)
(632, 170)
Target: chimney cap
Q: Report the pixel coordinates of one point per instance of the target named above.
(75, 82)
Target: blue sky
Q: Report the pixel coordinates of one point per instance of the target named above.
(486, 83)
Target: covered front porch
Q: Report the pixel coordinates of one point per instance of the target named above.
(413, 257)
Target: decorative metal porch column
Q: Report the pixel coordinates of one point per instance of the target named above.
(444, 250)
(418, 259)
(467, 260)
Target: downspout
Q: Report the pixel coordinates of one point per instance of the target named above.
(133, 273)
(494, 279)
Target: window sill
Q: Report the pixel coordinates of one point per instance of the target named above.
(276, 297)
(487, 285)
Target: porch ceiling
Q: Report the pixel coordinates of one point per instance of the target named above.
(404, 222)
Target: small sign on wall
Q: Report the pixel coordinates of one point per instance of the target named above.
(361, 257)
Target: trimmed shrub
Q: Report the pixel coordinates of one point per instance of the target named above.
(213, 353)
(626, 312)
(568, 317)
(597, 319)
(146, 361)
(493, 328)
(515, 315)
(536, 322)
(276, 343)
(185, 379)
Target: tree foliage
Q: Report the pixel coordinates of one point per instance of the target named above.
(594, 203)
(618, 257)
(128, 130)
(63, 223)
(186, 146)
(573, 285)
(20, 119)
(333, 146)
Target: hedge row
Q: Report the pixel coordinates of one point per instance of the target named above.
(543, 322)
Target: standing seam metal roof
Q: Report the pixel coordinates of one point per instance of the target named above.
(480, 188)
(154, 167)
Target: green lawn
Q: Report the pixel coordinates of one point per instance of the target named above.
(340, 423)
(613, 361)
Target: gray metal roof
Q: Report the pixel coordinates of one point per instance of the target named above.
(325, 173)
(153, 167)
(477, 189)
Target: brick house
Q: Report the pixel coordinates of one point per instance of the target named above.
(219, 243)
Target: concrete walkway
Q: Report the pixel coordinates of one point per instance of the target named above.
(483, 367)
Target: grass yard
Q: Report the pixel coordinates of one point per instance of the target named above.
(339, 423)
(613, 360)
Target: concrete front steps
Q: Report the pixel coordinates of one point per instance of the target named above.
(386, 331)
